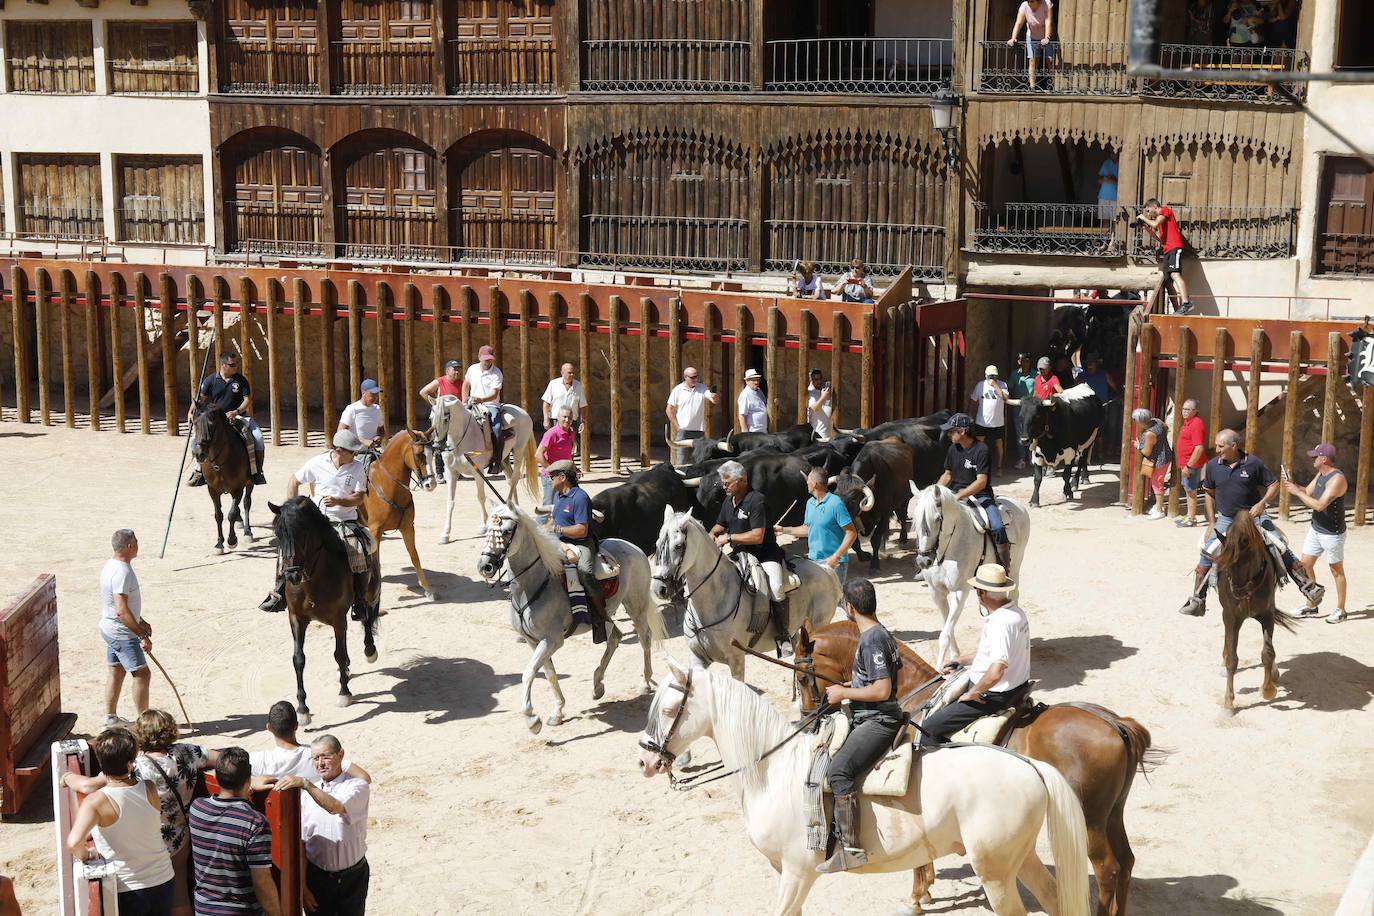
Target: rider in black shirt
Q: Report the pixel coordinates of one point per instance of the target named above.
(968, 467)
(228, 390)
(744, 524)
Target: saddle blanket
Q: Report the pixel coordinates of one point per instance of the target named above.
(358, 544)
(990, 729)
(891, 775)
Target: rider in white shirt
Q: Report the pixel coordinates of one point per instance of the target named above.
(482, 385)
(363, 418)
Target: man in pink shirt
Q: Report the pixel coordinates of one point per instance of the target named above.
(1191, 450)
(1038, 18)
(557, 445)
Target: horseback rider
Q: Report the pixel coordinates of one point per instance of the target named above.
(482, 386)
(449, 384)
(967, 471)
(877, 718)
(999, 671)
(744, 523)
(338, 486)
(1235, 481)
(228, 390)
(571, 522)
(363, 418)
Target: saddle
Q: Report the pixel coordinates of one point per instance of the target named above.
(358, 544)
(479, 416)
(980, 515)
(891, 775)
(755, 584)
(995, 728)
(606, 571)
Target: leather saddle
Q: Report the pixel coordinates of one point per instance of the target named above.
(980, 515)
(479, 416)
(891, 775)
(606, 571)
(995, 728)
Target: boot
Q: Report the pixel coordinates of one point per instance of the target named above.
(258, 479)
(197, 479)
(1196, 605)
(360, 605)
(781, 612)
(596, 610)
(1004, 556)
(848, 853)
(275, 602)
(1313, 592)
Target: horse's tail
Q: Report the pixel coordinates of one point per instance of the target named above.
(530, 472)
(1068, 841)
(1144, 756)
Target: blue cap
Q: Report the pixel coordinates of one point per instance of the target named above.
(958, 421)
(371, 387)
(453, 364)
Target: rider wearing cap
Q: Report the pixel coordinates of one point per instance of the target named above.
(968, 468)
(363, 418)
(744, 524)
(482, 385)
(338, 486)
(571, 522)
(228, 390)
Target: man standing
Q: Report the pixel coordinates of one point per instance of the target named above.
(1022, 387)
(334, 831)
(127, 635)
(449, 384)
(1045, 384)
(231, 845)
(1088, 371)
(1235, 482)
(828, 529)
(1192, 455)
(363, 418)
(1106, 199)
(820, 405)
(752, 405)
(564, 391)
(482, 385)
(967, 469)
(288, 757)
(1325, 496)
(991, 396)
(572, 525)
(687, 410)
(743, 522)
(999, 671)
(1164, 224)
(228, 390)
(557, 445)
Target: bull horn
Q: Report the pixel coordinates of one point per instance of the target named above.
(833, 478)
(692, 481)
(682, 443)
(725, 446)
(846, 432)
(866, 504)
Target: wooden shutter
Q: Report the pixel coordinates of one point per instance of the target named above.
(161, 199)
(1346, 208)
(50, 56)
(59, 196)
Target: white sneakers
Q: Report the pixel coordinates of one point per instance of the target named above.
(1154, 513)
(1336, 616)
(1303, 611)
(112, 721)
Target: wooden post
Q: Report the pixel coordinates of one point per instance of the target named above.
(167, 296)
(555, 360)
(674, 342)
(888, 383)
(837, 341)
(1128, 392)
(773, 364)
(217, 316)
(1366, 446)
(1252, 389)
(246, 329)
(328, 315)
(1185, 350)
(381, 337)
(145, 395)
(1149, 343)
(1290, 413)
(584, 359)
(93, 347)
(468, 315)
(708, 335)
(271, 302)
(740, 354)
(866, 370)
(42, 290)
(355, 338)
(438, 298)
(408, 296)
(614, 331)
(117, 293)
(527, 312)
(21, 353)
(66, 284)
(1219, 349)
(803, 345)
(496, 315)
(195, 298)
(299, 303)
(1333, 381)
(646, 331)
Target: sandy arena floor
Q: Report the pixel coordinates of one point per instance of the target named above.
(1264, 813)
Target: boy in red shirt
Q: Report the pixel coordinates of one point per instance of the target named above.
(1164, 224)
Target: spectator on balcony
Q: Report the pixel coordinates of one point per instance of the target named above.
(1164, 224)
(1106, 198)
(806, 282)
(1037, 17)
(1282, 24)
(1245, 24)
(1202, 16)
(854, 286)
(752, 405)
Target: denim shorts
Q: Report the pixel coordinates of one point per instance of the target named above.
(124, 652)
(1035, 49)
(1192, 479)
(1332, 546)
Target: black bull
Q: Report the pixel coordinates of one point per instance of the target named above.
(874, 488)
(736, 444)
(1060, 433)
(633, 511)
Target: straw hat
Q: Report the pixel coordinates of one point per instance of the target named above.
(993, 578)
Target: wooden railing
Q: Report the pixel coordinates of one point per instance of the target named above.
(66, 223)
(507, 67)
(1069, 229)
(152, 77)
(289, 231)
(665, 242)
(1256, 233)
(372, 68)
(373, 234)
(170, 227)
(252, 68)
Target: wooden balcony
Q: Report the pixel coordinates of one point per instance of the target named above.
(277, 231)
(1246, 233)
(161, 226)
(503, 67)
(665, 65)
(665, 242)
(869, 66)
(374, 69)
(61, 223)
(1046, 229)
(885, 248)
(255, 68)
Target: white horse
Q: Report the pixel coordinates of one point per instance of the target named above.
(950, 548)
(718, 609)
(977, 800)
(539, 607)
(465, 444)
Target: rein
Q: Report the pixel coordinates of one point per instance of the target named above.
(679, 582)
(497, 534)
(935, 554)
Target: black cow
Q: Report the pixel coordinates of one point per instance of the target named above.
(928, 444)
(1060, 432)
(780, 477)
(735, 444)
(873, 488)
(633, 511)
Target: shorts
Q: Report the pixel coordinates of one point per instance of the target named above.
(1317, 544)
(1158, 476)
(1171, 262)
(127, 653)
(1192, 479)
(1035, 49)
(1106, 209)
(147, 901)
(990, 433)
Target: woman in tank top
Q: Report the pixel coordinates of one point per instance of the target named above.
(1152, 442)
(126, 822)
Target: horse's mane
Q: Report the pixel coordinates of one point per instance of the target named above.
(549, 547)
(1242, 539)
(755, 726)
(298, 514)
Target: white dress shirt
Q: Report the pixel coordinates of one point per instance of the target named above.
(690, 404)
(336, 841)
(819, 417)
(1006, 638)
(557, 396)
(287, 761)
(483, 383)
(754, 408)
(334, 481)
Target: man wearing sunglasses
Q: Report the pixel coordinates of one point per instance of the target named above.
(228, 390)
(687, 411)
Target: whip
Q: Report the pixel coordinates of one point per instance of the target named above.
(170, 683)
(190, 430)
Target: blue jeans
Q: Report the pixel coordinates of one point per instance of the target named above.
(547, 484)
(995, 522)
(147, 901)
(1223, 524)
(127, 653)
(494, 419)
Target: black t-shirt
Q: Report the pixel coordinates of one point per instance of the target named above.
(225, 394)
(751, 514)
(965, 464)
(875, 658)
(1236, 487)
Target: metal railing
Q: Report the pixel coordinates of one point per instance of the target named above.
(880, 66)
(501, 67)
(153, 77)
(403, 235)
(502, 229)
(885, 248)
(678, 65)
(67, 76)
(1067, 229)
(373, 68)
(1226, 232)
(172, 227)
(1065, 68)
(64, 223)
(290, 231)
(1345, 254)
(252, 68)
(1208, 57)
(519, 257)
(701, 243)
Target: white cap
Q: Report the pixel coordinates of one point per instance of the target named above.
(990, 372)
(752, 374)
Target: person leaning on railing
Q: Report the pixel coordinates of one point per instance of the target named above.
(1038, 18)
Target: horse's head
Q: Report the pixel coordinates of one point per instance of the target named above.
(418, 450)
(671, 552)
(927, 513)
(299, 525)
(822, 658)
(203, 422)
(501, 526)
(678, 716)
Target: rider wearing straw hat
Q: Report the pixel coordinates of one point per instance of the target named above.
(999, 671)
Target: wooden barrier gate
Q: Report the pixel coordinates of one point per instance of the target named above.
(1294, 350)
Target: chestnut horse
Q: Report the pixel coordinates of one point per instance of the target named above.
(223, 458)
(1098, 752)
(1245, 585)
(389, 505)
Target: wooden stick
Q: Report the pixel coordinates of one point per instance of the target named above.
(866, 370)
(246, 329)
(646, 330)
(1333, 381)
(42, 289)
(616, 306)
(117, 294)
(837, 343)
(782, 664)
(527, 311)
(145, 397)
(741, 355)
(1290, 414)
(773, 365)
(803, 348)
(271, 303)
(190, 729)
(355, 338)
(555, 360)
(468, 316)
(167, 295)
(299, 302)
(408, 296)
(1219, 349)
(217, 316)
(1252, 389)
(93, 347)
(21, 353)
(381, 335)
(584, 359)
(195, 298)
(496, 325)
(328, 317)
(674, 341)
(708, 333)
(1185, 349)
(438, 299)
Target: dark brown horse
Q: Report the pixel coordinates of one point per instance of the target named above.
(389, 505)
(1245, 585)
(319, 587)
(223, 458)
(1098, 752)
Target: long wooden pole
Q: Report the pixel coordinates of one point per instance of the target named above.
(328, 317)
(93, 347)
(438, 296)
(584, 360)
(741, 354)
(355, 338)
(838, 338)
(1252, 388)
(614, 343)
(195, 298)
(527, 312)
(1219, 359)
(803, 358)
(467, 309)
(646, 331)
(117, 295)
(555, 358)
(381, 337)
(773, 365)
(708, 335)
(1128, 392)
(496, 312)
(145, 395)
(167, 297)
(408, 387)
(866, 370)
(217, 293)
(1185, 351)
(246, 330)
(1148, 344)
(674, 341)
(272, 304)
(1290, 413)
(1366, 447)
(20, 337)
(1333, 381)
(67, 284)
(300, 300)
(42, 292)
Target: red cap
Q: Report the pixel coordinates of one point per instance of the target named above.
(485, 351)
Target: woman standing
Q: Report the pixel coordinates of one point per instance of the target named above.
(1152, 441)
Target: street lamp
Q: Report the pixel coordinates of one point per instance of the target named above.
(942, 108)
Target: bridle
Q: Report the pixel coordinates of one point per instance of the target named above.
(290, 557)
(497, 545)
(676, 583)
(421, 478)
(932, 554)
(660, 747)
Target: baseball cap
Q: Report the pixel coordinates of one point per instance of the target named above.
(453, 364)
(485, 351)
(1325, 450)
(958, 421)
(1043, 363)
(751, 374)
(370, 386)
(990, 371)
(345, 439)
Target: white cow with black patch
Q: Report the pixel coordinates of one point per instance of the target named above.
(1060, 432)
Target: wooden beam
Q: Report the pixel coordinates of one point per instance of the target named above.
(708, 335)
(838, 340)
(1148, 343)
(21, 353)
(674, 342)
(355, 338)
(496, 312)
(773, 364)
(299, 301)
(195, 299)
(1128, 402)
(438, 298)
(246, 330)
(584, 358)
(328, 318)
(381, 337)
(741, 352)
(1219, 348)
(528, 310)
(1185, 348)
(117, 295)
(1252, 389)
(271, 302)
(555, 358)
(468, 317)
(1365, 457)
(1333, 380)
(217, 316)
(803, 357)
(614, 327)
(92, 288)
(145, 394)
(888, 382)
(167, 296)
(868, 338)
(42, 292)
(1290, 413)
(409, 295)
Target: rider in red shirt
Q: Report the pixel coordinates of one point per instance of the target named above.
(1164, 224)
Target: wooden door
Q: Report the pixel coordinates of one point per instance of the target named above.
(386, 47)
(278, 201)
(501, 45)
(1345, 243)
(162, 199)
(506, 204)
(390, 205)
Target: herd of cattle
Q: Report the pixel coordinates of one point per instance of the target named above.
(871, 470)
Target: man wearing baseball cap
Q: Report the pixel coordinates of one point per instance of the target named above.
(1325, 496)
(1046, 384)
(571, 523)
(968, 470)
(991, 396)
(363, 418)
(482, 385)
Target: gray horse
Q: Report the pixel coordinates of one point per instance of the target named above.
(539, 608)
(718, 608)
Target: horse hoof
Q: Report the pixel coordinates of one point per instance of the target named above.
(443, 539)
(598, 691)
(534, 724)
(248, 537)
(219, 549)
(429, 593)
(556, 719)
(345, 699)
(303, 718)
(906, 909)
(370, 656)
(233, 544)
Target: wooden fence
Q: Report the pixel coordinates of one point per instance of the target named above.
(303, 334)
(1286, 351)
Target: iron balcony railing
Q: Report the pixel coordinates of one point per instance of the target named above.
(520, 257)
(1226, 232)
(879, 66)
(1199, 57)
(885, 248)
(172, 227)
(376, 69)
(665, 242)
(671, 65)
(502, 229)
(1067, 229)
(1345, 254)
(290, 231)
(64, 223)
(402, 235)
(501, 67)
(252, 68)
(1065, 68)
(153, 77)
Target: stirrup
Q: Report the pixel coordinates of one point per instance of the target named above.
(274, 603)
(845, 858)
(1194, 606)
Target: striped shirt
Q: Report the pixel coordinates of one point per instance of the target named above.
(228, 838)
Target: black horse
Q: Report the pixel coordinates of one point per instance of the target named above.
(223, 458)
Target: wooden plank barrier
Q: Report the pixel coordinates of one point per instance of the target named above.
(66, 296)
(92, 316)
(1290, 415)
(1185, 347)
(646, 332)
(299, 297)
(613, 324)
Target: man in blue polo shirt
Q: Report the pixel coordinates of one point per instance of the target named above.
(829, 531)
(571, 522)
(1234, 482)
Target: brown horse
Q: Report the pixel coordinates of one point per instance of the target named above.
(319, 587)
(389, 505)
(1098, 752)
(1246, 584)
(223, 458)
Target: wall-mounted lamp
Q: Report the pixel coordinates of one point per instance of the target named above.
(943, 105)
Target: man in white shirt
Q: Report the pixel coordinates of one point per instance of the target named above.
(564, 391)
(820, 405)
(288, 757)
(363, 418)
(127, 635)
(687, 410)
(334, 832)
(482, 385)
(999, 672)
(752, 405)
(992, 397)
